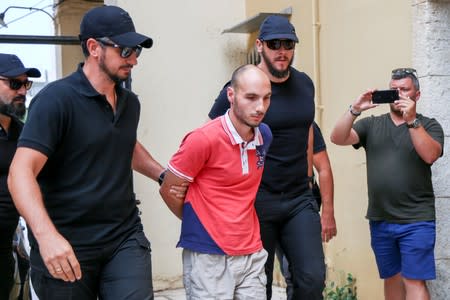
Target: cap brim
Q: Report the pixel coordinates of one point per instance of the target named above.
(269, 37)
(132, 39)
(30, 72)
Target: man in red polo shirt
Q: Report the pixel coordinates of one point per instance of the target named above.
(223, 161)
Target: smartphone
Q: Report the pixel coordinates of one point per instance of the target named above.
(385, 96)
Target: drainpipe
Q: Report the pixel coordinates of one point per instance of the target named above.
(318, 88)
(316, 53)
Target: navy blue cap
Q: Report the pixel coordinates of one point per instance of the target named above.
(11, 66)
(277, 27)
(114, 23)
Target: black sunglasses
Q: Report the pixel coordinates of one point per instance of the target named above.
(276, 44)
(16, 84)
(124, 51)
(402, 72)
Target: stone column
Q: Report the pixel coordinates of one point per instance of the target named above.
(431, 58)
(67, 22)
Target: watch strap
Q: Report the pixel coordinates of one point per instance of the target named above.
(414, 124)
(161, 177)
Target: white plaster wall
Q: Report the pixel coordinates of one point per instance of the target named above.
(361, 42)
(431, 57)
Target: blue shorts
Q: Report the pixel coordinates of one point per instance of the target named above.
(405, 248)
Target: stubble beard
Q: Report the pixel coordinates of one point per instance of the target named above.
(113, 77)
(239, 114)
(396, 112)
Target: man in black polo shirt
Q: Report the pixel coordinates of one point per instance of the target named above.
(71, 177)
(287, 210)
(14, 84)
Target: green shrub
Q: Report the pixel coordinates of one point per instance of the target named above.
(345, 292)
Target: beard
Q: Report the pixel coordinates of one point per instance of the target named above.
(16, 108)
(113, 77)
(276, 73)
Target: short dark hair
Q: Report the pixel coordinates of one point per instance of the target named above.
(406, 73)
(84, 48)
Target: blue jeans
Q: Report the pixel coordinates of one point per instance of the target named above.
(117, 273)
(293, 222)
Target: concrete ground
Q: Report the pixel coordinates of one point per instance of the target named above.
(178, 294)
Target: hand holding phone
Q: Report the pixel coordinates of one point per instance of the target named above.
(385, 96)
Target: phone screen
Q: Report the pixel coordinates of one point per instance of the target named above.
(385, 96)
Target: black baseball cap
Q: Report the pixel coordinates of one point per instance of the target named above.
(11, 66)
(277, 27)
(114, 23)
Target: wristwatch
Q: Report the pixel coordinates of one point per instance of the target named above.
(161, 177)
(415, 124)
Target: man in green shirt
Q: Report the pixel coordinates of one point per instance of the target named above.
(400, 148)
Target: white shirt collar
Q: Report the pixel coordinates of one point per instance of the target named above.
(235, 138)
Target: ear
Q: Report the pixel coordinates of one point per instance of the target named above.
(259, 45)
(230, 95)
(93, 47)
(417, 95)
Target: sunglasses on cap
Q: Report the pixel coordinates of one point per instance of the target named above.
(125, 52)
(16, 84)
(402, 72)
(276, 44)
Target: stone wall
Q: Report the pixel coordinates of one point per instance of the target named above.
(431, 58)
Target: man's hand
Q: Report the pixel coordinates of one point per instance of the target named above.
(179, 191)
(408, 108)
(364, 101)
(59, 258)
(328, 226)
(173, 191)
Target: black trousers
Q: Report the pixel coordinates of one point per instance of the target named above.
(293, 222)
(117, 273)
(9, 218)
(284, 267)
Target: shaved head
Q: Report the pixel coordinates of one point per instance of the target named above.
(238, 75)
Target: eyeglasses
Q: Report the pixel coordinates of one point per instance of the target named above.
(16, 84)
(276, 44)
(403, 72)
(125, 52)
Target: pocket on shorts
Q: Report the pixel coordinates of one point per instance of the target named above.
(428, 229)
(263, 278)
(262, 274)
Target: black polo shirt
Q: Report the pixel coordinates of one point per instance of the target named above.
(319, 142)
(87, 180)
(8, 144)
(289, 116)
